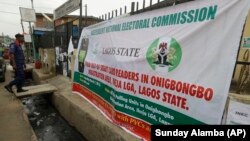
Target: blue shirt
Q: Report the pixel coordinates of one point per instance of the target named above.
(17, 50)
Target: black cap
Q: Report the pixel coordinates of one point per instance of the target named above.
(18, 35)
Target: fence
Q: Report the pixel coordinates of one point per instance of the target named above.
(62, 36)
(134, 8)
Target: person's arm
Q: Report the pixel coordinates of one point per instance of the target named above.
(12, 59)
(12, 55)
(24, 65)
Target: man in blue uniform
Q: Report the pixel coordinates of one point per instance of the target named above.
(18, 63)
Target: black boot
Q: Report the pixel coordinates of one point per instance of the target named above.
(8, 88)
(21, 90)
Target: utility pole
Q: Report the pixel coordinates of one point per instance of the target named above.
(31, 34)
(22, 25)
(32, 4)
(80, 19)
(86, 10)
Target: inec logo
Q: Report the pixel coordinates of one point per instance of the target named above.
(164, 54)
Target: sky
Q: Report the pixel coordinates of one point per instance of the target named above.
(10, 19)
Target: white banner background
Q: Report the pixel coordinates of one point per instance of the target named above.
(209, 51)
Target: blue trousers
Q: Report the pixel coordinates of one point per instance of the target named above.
(19, 77)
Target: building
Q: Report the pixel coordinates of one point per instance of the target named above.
(66, 25)
(5, 40)
(55, 35)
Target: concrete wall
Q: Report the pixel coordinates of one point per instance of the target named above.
(83, 116)
(48, 60)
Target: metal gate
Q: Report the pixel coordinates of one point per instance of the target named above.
(63, 34)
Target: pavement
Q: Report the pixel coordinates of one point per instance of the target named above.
(14, 123)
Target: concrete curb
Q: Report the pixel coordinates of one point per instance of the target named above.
(33, 136)
(83, 116)
(38, 76)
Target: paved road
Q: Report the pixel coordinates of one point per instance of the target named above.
(14, 124)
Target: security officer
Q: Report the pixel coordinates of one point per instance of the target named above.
(17, 61)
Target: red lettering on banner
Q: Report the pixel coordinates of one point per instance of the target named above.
(192, 90)
(149, 92)
(108, 79)
(129, 87)
(87, 64)
(184, 88)
(200, 91)
(172, 86)
(104, 68)
(144, 78)
(209, 94)
(178, 86)
(175, 100)
(117, 83)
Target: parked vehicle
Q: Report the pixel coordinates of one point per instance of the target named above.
(1, 51)
(2, 69)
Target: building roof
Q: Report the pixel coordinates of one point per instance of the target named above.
(67, 16)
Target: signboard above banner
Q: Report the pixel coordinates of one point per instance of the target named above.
(66, 8)
(27, 38)
(27, 14)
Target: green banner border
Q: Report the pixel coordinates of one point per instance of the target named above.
(104, 91)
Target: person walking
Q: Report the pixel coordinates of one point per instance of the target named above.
(17, 61)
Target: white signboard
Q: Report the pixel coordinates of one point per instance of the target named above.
(66, 8)
(27, 14)
(238, 113)
(27, 38)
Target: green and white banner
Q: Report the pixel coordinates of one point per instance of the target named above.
(168, 66)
